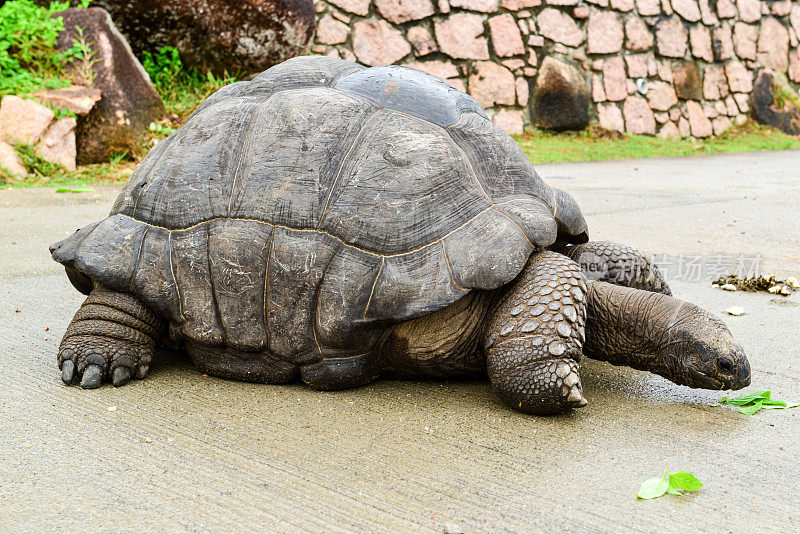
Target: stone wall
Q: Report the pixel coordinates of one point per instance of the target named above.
(672, 67)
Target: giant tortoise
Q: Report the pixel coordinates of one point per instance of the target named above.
(335, 223)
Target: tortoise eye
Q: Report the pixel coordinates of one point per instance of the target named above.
(725, 365)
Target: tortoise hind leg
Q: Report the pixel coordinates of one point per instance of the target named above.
(112, 337)
(535, 335)
(235, 364)
(345, 372)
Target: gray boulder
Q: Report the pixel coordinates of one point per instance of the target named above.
(560, 97)
(118, 121)
(244, 36)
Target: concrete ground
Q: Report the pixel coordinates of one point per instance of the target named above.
(183, 452)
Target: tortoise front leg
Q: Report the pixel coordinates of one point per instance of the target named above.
(112, 336)
(535, 336)
(607, 261)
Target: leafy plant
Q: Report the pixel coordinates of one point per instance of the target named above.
(38, 166)
(83, 59)
(672, 483)
(750, 403)
(28, 35)
(181, 88)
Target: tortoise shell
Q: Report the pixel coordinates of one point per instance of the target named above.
(308, 210)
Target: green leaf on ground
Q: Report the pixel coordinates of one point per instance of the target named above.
(75, 189)
(674, 484)
(653, 487)
(684, 481)
(751, 403)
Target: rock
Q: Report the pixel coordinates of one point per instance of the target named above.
(773, 45)
(331, 31)
(794, 18)
(359, 7)
(492, 84)
(444, 6)
(561, 2)
(514, 64)
(726, 9)
(648, 7)
(639, 117)
(688, 9)
(459, 36)
(129, 103)
(509, 120)
(516, 5)
(707, 14)
(614, 79)
(10, 162)
(523, 91)
(740, 79)
(720, 124)
(560, 97)
(78, 99)
(604, 34)
(794, 66)
(763, 108)
(484, 6)
(661, 116)
(378, 43)
(638, 35)
(781, 8)
(400, 11)
(246, 36)
(698, 122)
(506, 37)
(622, 5)
(669, 131)
(661, 96)
(581, 12)
(700, 38)
(715, 85)
(559, 27)
(598, 93)
(610, 117)
(683, 127)
(744, 40)
(731, 109)
(664, 72)
(749, 10)
(741, 102)
(686, 80)
(58, 144)
(637, 65)
(23, 121)
(422, 41)
(722, 43)
(443, 70)
(671, 37)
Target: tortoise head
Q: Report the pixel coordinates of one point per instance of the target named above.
(705, 353)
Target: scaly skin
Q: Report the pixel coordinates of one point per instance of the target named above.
(607, 261)
(661, 334)
(535, 336)
(111, 337)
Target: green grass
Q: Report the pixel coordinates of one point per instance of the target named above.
(587, 145)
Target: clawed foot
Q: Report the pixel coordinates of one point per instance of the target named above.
(111, 338)
(90, 360)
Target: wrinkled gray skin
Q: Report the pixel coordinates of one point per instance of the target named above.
(333, 224)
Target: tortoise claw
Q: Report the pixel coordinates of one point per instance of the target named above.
(121, 376)
(92, 377)
(68, 372)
